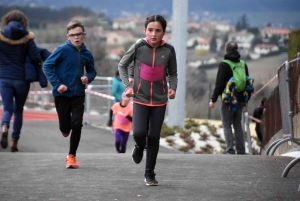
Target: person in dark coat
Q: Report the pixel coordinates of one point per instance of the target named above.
(258, 113)
(16, 43)
(230, 117)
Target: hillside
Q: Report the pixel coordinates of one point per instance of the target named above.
(259, 12)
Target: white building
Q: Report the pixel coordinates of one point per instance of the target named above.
(264, 49)
(242, 38)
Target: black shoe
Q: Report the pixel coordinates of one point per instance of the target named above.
(137, 154)
(150, 179)
(4, 136)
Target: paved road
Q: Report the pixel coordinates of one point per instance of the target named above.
(38, 172)
(184, 177)
(40, 133)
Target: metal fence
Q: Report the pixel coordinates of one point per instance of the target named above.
(282, 107)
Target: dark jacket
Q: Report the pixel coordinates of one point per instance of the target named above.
(153, 68)
(258, 113)
(15, 44)
(224, 74)
(66, 65)
(34, 71)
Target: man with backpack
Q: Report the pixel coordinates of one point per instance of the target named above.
(234, 85)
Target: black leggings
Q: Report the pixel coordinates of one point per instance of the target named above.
(142, 115)
(70, 114)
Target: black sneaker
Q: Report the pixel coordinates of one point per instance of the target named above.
(137, 154)
(150, 179)
(4, 140)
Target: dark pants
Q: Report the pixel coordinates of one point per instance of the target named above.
(121, 138)
(233, 118)
(142, 115)
(70, 115)
(14, 94)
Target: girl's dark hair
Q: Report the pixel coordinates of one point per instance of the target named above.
(156, 18)
(73, 24)
(231, 46)
(17, 16)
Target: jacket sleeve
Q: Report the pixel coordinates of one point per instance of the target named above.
(49, 67)
(126, 60)
(34, 52)
(221, 81)
(247, 72)
(90, 69)
(172, 71)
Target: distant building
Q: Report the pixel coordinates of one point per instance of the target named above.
(119, 37)
(243, 39)
(116, 53)
(265, 49)
(203, 60)
(128, 23)
(193, 27)
(198, 43)
(283, 33)
(209, 26)
(203, 44)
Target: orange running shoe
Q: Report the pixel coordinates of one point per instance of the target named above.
(71, 162)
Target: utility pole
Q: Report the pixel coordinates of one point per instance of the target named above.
(176, 107)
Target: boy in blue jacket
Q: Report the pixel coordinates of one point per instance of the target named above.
(64, 69)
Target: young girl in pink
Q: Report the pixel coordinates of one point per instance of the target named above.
(122, 122)
(154, 82)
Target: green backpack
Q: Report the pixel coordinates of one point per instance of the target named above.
(239, 74)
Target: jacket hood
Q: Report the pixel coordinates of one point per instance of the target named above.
(15, 34)
(233, 56)
(14, 31)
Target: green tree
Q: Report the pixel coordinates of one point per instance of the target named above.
(224, 41)
(242, 23)
(213, 44)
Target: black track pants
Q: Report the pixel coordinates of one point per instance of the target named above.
(70, 114)
(141, 115)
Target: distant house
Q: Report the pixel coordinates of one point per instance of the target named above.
(222, 26)
(193, 27)
(115, 54)
(209, 26)
(264, 49)
(283, 33)
(203, 44)
(204, 60)
(242, 38)
(168, 38)
(125, 23)
(198, 43)
(118, 37)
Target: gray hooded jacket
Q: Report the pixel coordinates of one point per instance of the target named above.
(152, 69)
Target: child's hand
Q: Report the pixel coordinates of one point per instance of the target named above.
(62, 88)
(129, 92)
(131, 80)
(211, 104)
(84, 79)
(171, 94)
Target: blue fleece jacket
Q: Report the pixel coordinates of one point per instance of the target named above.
(66, 66)
(15, 44)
